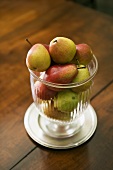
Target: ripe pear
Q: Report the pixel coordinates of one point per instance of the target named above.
(52, 112)
(46, 46)
(62, 50)
(82, 75)
(83, 54)
(42, 92)
(61, 74)
(38, 58)
(66, 101)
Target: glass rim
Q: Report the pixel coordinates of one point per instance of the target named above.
(68, 85)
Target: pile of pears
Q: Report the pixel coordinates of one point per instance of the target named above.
(62, 62)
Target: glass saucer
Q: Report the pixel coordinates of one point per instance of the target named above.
(33, 121)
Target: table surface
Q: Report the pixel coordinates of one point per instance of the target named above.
(41, 21)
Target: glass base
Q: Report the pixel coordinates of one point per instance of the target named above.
(47, 133)
(63, 130)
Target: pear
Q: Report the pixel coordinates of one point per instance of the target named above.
(46, 46)
(60, 74)
(38, 58)
(83, 54)
(83, 74)
(51, 112)
(62, 50)
(42, 92)
(66, 101)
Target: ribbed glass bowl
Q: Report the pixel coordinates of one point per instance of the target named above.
(62, 115)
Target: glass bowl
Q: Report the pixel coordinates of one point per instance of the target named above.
(60, 107)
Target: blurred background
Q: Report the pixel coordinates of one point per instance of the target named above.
(105, 6)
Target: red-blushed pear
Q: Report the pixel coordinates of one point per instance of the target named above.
(46, 46)
(62, 50)
(43, 92)
(83, 54)
(60, 74)
(38, 58)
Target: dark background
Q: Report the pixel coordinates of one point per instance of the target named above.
(105, 6)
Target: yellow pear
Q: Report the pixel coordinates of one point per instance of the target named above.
(62, 50)
(38, 58)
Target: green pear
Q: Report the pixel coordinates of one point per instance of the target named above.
(66, 101)
(38, 58)
(82, 75)
(62, 50)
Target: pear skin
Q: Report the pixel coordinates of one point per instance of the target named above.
(83, 54)
(43, 92)
(66, 101)
(38, 58)
(62, 50)
(61, 74)
(83, 74)
(51, 112)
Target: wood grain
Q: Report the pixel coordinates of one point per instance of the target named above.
(97, 153)
(41, 21)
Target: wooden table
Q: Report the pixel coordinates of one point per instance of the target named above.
(41, 21)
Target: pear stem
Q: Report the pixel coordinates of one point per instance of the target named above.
(28, 42)
(79, 67)
(77, 61)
